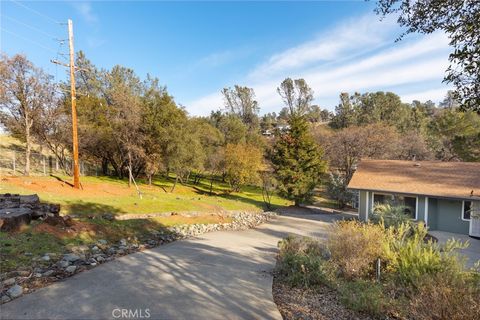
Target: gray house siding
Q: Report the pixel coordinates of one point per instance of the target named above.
(448, 217)
(439, 214)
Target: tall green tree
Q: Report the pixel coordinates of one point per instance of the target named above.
(345, 115)
(459, 19)
(455, 135)
(297, 161)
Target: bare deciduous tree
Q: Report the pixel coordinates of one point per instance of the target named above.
(25, 92)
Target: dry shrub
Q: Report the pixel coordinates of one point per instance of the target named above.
(445, 296)
(301, 262)
(354, 247)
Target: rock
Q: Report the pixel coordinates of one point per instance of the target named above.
(4, 299)
(28, 254)
(95, 248)
(123, 242)
(46, 257)
(108, 216)
(111, 251)
(70, 269)
(37, 275)
(63, 263)
(68, 221)
(70, 257)
(102, 241)
(16, 210)
(8, 282)
(22, 273)
(48, 273)
(15, 291)
(100, 259)
(11, 219)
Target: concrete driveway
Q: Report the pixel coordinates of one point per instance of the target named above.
(472, 252)
(220, 275)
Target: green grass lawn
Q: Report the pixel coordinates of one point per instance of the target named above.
(105, 194)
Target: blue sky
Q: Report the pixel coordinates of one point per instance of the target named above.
(197, 48)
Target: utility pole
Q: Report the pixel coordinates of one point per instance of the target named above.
(76, 169)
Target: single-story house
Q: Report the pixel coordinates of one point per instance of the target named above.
(444, 195)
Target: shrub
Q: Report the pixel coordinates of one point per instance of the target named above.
(365, 296)
(337, 189)
(409, 257)
(446, 296)
(355, 246)
(301, 262)
(390, 216)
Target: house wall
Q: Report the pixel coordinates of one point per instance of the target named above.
(439, 214)
(447, 216)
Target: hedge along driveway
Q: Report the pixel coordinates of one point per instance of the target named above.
(216, 276)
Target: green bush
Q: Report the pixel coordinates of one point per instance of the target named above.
(364, 296)
(390, 216)
(420, 279)
(301, 262)
(409, 257)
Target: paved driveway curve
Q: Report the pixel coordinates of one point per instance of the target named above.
(220, 275)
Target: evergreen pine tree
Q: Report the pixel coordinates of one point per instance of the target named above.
(297, 161)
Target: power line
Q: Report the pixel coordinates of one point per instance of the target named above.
(37, 12)
(30, 27)
(29, 40)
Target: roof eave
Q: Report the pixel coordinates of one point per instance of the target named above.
(468, 198)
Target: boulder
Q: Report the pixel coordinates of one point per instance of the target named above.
(15, 291)
(17, 210)
(70, 269)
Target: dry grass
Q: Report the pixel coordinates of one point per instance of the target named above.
(354, 246)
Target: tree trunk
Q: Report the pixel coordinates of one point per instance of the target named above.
(174, 184)
(105, 166)
(129, 169)
(149, 179)
(28, 145)
(211, 184)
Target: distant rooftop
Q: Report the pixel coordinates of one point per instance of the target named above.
(430, 178)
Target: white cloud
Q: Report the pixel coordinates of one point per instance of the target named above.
(349, 38)
(436, 95)
(418, 62)
(86, 11)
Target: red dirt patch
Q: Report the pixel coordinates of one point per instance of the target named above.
(51, 185)
(64, 232)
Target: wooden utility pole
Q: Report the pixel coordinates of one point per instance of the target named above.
(76, 168)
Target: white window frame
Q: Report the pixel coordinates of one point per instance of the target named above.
(398, 194)
(463, 210)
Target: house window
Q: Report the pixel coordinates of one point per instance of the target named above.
(410, 203)
(467, 207)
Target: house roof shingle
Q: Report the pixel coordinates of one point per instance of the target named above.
(430, 178)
